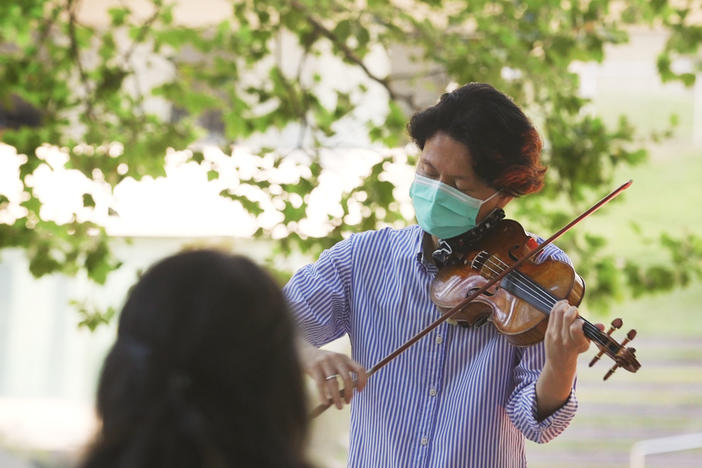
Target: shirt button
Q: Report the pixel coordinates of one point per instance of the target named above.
(432, 392)
(424, 441)
(439, 339)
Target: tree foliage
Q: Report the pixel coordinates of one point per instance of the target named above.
(84, 81)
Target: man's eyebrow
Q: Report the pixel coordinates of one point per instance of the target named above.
(431, 166)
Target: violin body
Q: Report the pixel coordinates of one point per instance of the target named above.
(518, 306)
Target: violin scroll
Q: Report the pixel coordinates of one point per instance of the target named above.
(622, 356)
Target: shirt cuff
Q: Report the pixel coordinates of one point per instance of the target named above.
(551, 426)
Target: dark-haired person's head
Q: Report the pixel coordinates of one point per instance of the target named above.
(204, 371)
(504, 145)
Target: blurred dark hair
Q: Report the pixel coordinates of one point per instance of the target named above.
(17, 113)
(204, 372)
(504, 145)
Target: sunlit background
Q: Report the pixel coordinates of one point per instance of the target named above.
(48, 365)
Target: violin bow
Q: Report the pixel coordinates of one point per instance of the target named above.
(448, 314)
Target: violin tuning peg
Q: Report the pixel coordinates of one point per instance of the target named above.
(629, 336)
(616, 324)
(595, 359)
(610, 372)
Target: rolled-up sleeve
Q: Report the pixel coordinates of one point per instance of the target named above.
(319, 295)
(522, 405)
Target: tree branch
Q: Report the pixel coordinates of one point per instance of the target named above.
(127, 57)
(75, 53)
(46, 27)
(352, 57)
(305, 121)
(142, 34)
(409, 76)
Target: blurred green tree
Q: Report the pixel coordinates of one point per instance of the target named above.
(83, 91)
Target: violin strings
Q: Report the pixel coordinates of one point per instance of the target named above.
(549, 301)
(537, 291)
(544, 298)
(526, 285)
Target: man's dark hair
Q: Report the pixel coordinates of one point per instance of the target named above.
(503, 143)
(204, 372)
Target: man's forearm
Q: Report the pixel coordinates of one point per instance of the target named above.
(552, 390)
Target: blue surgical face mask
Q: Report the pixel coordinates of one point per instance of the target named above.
(441, 210)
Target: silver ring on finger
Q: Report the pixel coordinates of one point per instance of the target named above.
(331, 377)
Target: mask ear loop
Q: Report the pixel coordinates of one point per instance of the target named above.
(490, 197)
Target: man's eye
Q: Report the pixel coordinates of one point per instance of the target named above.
(429, 173)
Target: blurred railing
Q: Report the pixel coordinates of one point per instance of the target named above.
(641, 449)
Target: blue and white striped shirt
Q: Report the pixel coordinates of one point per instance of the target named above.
(458, 398)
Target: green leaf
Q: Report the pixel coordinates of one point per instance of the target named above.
(118, 16)
(251, 206)
(294, 214)
(92, 317)
(88, 200)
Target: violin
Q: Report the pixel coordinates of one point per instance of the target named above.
(519, 304)
(499, 282)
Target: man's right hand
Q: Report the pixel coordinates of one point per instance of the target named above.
(326, 367)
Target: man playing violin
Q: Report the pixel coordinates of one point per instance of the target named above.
(460, 397)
